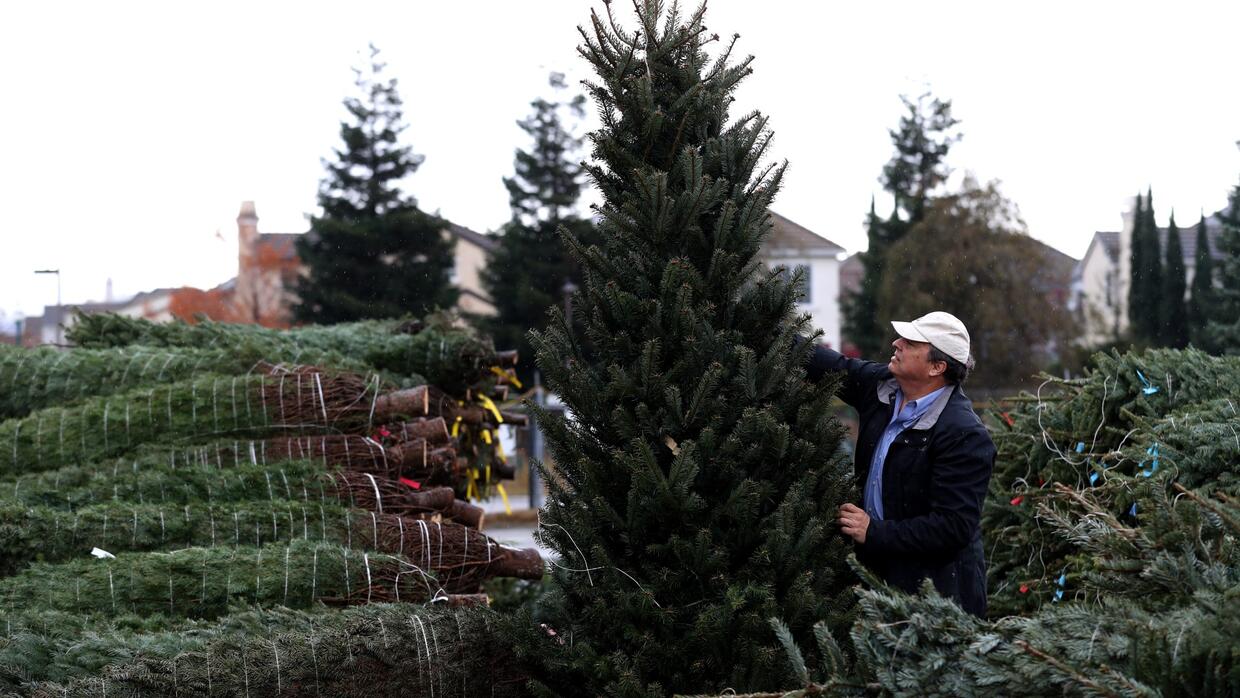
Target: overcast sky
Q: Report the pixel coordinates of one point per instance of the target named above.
(131, 132)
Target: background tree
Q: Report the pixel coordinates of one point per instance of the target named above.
(922, 140)
(529, 267)
(1224, 328)
(987, 271)
(694, 488)
(1146, 285)
(1172, 311)
(371, 253)
(1137, 264)
(1202, 298)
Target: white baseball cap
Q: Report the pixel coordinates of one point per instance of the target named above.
(941, 330)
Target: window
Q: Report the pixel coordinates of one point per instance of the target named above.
(803, 296)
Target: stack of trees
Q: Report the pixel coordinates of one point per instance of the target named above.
(157, 485)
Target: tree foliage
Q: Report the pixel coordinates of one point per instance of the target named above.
(372, 253)
(695, 486)
(972, 256)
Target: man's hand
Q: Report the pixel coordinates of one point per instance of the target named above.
(854, 522)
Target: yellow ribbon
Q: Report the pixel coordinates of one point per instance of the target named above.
(509, 376)
(486, 402)
(470, 489)
(456, 426)
(486, 435)
(499, 450)
(504, 495)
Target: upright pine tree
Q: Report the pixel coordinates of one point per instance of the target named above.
(861, 307)
(1153, 274)
(1136, 272)
(372, 253)
(1224, 329)
(530, 267)
(694, 489)
(1202, 299)
(1172, 312)
(922, 140)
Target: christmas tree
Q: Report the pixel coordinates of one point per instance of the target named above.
(1172, 310)
(372, 253)
(695, 485)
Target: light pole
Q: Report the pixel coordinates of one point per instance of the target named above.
(59, 311)
(569, 288)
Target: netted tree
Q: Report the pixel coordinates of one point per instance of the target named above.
(694, 488)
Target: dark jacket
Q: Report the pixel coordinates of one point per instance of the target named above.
(934, 480)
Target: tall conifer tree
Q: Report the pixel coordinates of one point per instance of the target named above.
(372, 253)
(1201, 301)
(1224, 328)
(922, 140)
(1152, 281)
(1172, 313)
(696, 483)
(530, 267)
(1136, 271)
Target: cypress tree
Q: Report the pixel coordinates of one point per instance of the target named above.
(1224, 328)
(1136, 271)
(372, 253)
(861, 307)
(1152, 281)
(530, 267)
(1202, 299)
(1174, 325)
(695, 486)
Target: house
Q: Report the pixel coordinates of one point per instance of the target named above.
(1099, 296)
(56, 320)
(263, 292)
(793, 246)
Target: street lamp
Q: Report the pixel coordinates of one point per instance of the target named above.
(59, 311)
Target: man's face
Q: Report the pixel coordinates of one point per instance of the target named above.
(911, 361)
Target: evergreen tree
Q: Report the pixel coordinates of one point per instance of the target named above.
(1201, 302)
(1224, 329)
(1173, 315)
(530, 266)
(922, 140)
(861, 306)
(695, 486)
(372, 253)
(1153, 277)
(1136, 271)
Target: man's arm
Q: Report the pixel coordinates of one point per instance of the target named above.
(957, 487)
(860, 377)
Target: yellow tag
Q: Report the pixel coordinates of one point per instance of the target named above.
(469, 489)
(509, 376)
(486, 435)
(504, 495)
(486, 402)
(488, 480)
(456, 426)
(499, 450)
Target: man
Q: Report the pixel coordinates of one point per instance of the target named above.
(923, 458)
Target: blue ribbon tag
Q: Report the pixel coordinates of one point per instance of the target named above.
(1093, 477)
(1058, 594)
(1080, 447)
(1133, 510)
(1149, 388)
(1062, 578)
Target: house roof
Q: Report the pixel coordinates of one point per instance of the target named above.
(1188, 239)
(281, 243)
(483, 241)
(785, 234)
(1110, 244)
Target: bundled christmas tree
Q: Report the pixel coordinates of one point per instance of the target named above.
(32, 379)
(370, 651)
(437, 348)
(695, 487)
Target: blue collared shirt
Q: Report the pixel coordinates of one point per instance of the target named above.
(912, 411)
